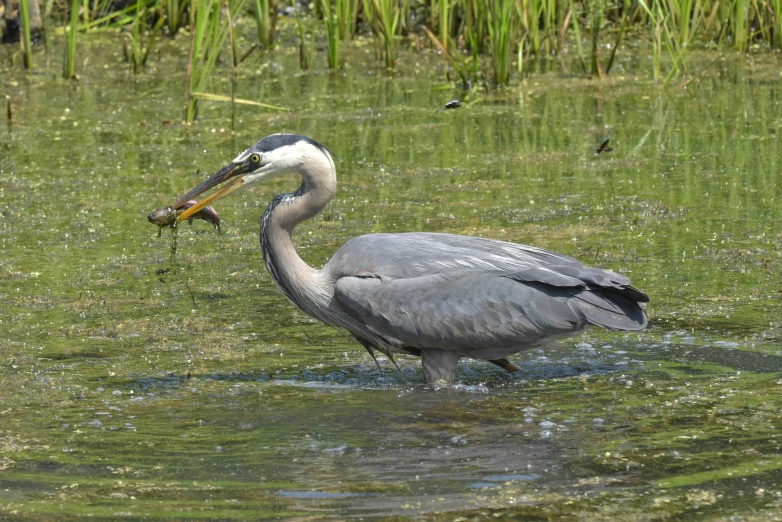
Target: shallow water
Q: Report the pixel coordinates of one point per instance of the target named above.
(201, 393)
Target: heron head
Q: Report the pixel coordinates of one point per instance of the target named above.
(271, 157)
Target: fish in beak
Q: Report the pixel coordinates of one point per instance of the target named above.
(230, 174)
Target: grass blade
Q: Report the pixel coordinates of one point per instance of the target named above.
(332, 32)
(69, 64)
(26, 40)
(229, 99)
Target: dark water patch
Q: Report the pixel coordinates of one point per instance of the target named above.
(316, 495)
(737, 358)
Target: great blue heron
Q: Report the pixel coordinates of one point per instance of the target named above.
(438, 296)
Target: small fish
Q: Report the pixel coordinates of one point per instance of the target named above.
(453, 104)
(167, 216)
(163, 217)
(604, 147)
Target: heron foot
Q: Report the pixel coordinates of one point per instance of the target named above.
(440, 384)
(506, 365)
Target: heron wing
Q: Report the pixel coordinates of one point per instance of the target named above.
(418, 254)
(468, 310)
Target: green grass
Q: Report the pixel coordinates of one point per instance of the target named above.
(444, 11)
(209, 35)
(776, 6)
(138, 53)
(471, 31)
(465, 68)
(176, 11)
(501, 19)
(598, 9)
(305, 44)
(347, 17)
(330, 15)
(265, 21)
(384, 15)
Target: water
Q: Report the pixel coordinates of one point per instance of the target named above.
(201, 393)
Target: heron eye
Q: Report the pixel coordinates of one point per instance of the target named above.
(255, 158)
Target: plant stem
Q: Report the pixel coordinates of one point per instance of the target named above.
(69, 65)
(26, 40)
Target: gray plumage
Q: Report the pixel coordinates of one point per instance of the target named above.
(438, 296)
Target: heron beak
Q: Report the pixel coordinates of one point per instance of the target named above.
(229, 171)
(233, 186)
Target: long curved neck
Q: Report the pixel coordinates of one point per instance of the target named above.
(304, 286)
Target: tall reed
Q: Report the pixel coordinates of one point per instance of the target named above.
(115, 20)
(474, 27)
(208, 39)
(598, 8)
(305, 49)
(463, 28)
(665, 37)
(332, 31)
(577, 30)
(175, 14)
(740, 24)
(347, 16)
(776, 7)
(685, 14)
(540, 19)
(69, 64)
(501, 19)
(139, 53)
(99, 9)
(444, 25)
(265, 21)
(26, 40)
(619, 36)
(384, 16)
(466, 69)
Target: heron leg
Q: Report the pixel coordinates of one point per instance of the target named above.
(371, 351)
(439, 366)
(506, 365)
(372, 354)
(391, 358)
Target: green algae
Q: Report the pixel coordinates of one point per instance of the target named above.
(200, 393)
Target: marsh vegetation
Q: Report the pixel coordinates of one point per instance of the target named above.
(486, 44)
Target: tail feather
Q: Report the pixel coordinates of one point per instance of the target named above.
(610, 309)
